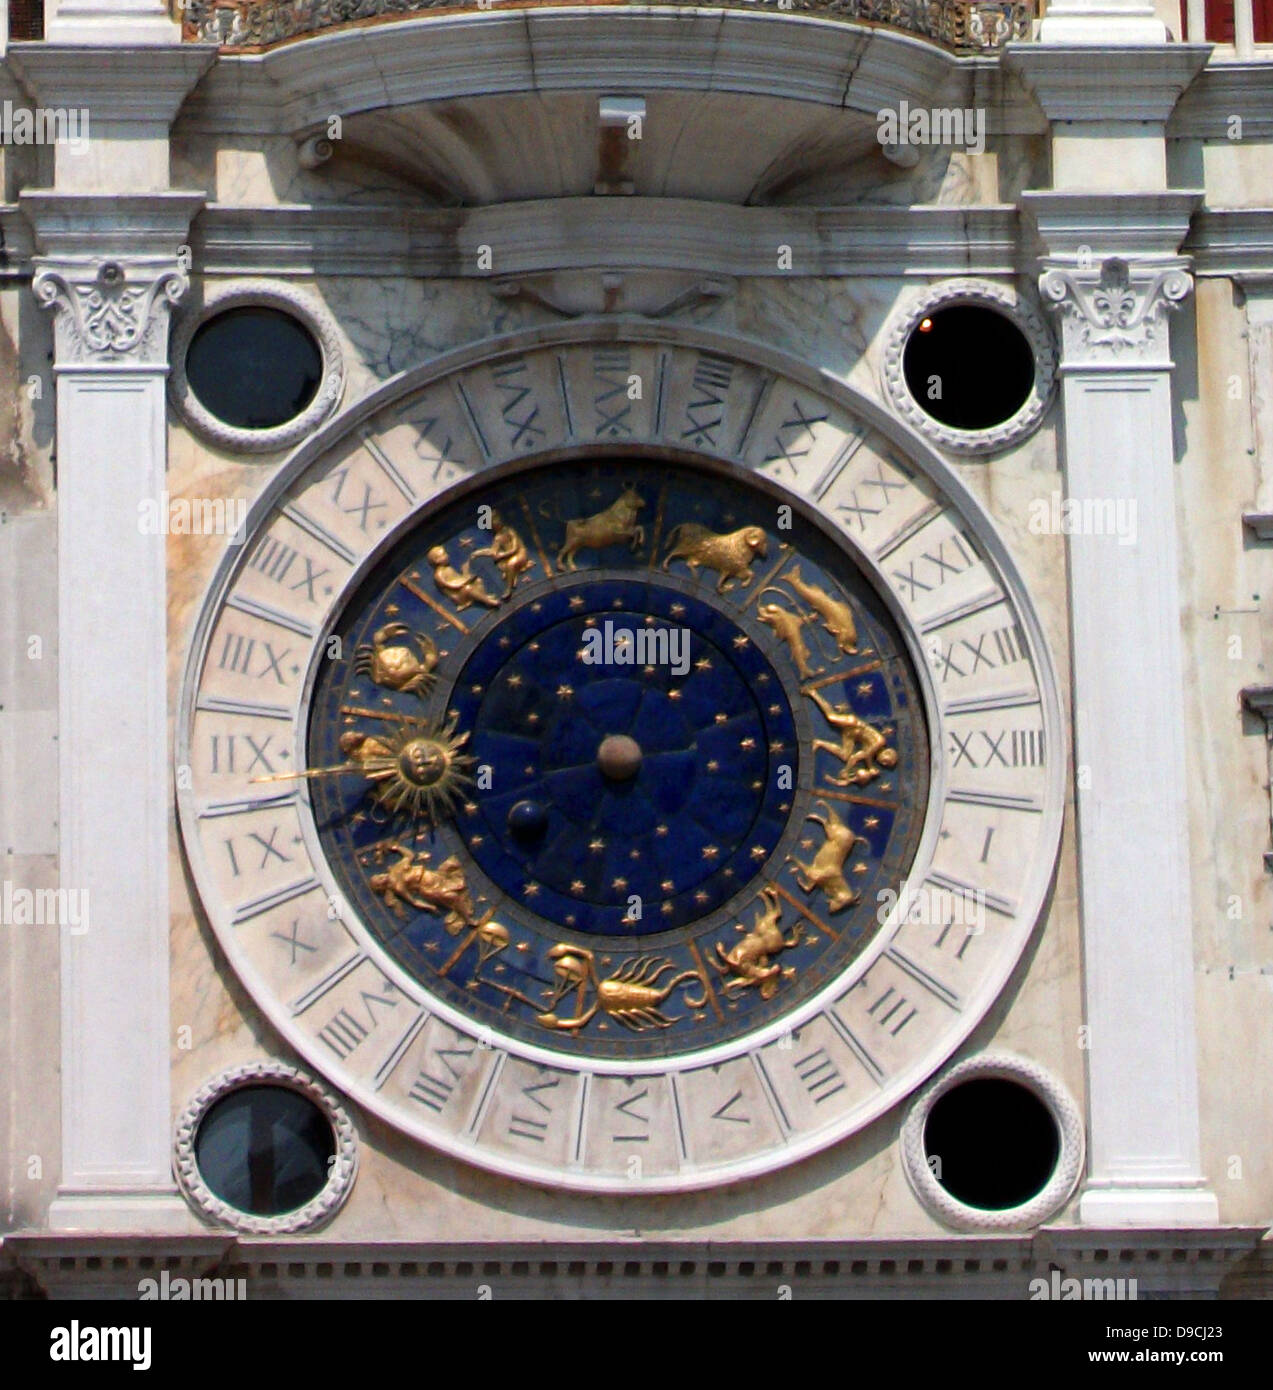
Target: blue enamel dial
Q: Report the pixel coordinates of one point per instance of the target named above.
(619, 758)
(704, 807)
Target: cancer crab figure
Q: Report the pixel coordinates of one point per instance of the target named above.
(395, 664)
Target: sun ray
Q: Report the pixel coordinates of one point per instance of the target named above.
(417, 769)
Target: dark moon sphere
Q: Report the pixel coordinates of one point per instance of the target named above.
(527, 818)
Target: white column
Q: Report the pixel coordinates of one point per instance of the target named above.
(111, 335)
(1129, 755)
(1258, 293)
(1243, 29)
(110, 22)
(1104, 22)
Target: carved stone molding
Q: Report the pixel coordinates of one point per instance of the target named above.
(614, 292)
(988, 294)
(1198, 1263)
(1115, 311)
(306, 308)
(1059, 1187)
(966, 26)
(110, 310)
(342, 1170)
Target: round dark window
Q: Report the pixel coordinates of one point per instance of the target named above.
(969, 367)
(991, 1143)
(265, 1149)
(254, 367)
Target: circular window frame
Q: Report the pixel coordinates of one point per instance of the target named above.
(984, 294)
(321, 1207)
(259, 294)
(1069, 1161)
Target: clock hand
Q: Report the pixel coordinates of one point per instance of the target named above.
(418, 768)
(309, 772)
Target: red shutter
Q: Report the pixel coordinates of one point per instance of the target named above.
(1263, 21)
(1219, 21)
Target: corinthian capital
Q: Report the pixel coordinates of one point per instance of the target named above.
(1115, 311)
(110, 310)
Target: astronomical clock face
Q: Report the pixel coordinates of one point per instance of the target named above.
(631, 818)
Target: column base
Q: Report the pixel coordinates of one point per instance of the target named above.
(1104, 30)
(1149, 1207)
(123, 1213)
(137, 30)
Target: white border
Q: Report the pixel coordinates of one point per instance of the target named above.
(341, 1173)
(269, 294)
(919, 454)
(986, 294)
(1069, 1164)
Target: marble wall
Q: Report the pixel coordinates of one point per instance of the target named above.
(856, 1188)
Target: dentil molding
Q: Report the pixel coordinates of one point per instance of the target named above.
(1004, 300)
(343, 1168)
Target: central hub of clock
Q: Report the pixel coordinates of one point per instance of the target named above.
(619, 757)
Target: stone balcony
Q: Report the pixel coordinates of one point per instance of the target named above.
(960, 26)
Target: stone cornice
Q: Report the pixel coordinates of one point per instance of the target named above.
(1259, 700)
(142, 85)
(1084, 83)
(1182, 1262)
(615, 234)
(1087, 225)
(1207, 109)
(394, 240)
(1234, 242)
(969, 26)
(114, 225)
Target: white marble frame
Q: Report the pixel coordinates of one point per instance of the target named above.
(307, 309)
(341, 1173)
(989, 294)
(918, 453)
(1069, 1162)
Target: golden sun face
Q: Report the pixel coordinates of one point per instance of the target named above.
(417, 768)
